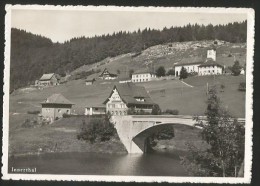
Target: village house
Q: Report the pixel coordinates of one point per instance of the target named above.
(95, 110)
(48, 80)
(210, 67)
(106, 75)
(90, 81)
(190, 67)
(55, 106)
(143, 77)
(128, 96)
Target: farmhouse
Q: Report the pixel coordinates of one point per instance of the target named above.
(143, 77)
(106, 75)
(210, 67)
(55, 106)
(95, 110)
(48, 80)
(128, 96)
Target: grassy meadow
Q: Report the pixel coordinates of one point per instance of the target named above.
(60, 136)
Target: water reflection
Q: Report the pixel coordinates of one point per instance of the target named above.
(151, 164)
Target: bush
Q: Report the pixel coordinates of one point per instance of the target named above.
(29, 123)
(229, 55)
(65, 115)
(97, 129)
(193, 74)
(156, 110)
(171, 72)
(242, 86)
(173, 112)
(33, 112)
(160, 72)
(222, 87)
(236, 68)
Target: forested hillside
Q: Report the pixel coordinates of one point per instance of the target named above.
(32, 55)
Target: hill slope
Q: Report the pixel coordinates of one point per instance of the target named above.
(38, 55)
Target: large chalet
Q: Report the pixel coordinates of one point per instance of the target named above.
(128, 96)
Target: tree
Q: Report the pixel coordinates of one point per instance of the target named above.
(225, 137)
(183, 73)
(160, 71)
(171, 72)
(236, 68)
(156, 110)
(131, 71)
(242, 86)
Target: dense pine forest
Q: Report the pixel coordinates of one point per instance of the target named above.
(32, 55)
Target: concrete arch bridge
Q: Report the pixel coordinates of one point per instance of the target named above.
(133, 130)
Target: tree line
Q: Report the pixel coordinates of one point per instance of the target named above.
(37, 55)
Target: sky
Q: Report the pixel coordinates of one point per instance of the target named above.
(62, 25)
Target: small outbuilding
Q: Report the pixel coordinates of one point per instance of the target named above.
(90, 81)
(242, 71)
(55, 106)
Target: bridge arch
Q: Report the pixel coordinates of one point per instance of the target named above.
(141, 138)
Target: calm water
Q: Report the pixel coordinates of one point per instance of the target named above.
(152, 164)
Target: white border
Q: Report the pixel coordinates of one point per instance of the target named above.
(249, 98)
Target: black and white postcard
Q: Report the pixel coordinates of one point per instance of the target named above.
(143, 94)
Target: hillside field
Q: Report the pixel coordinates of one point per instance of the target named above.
(169, 94)
(189, 98)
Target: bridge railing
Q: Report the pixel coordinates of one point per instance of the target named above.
(167, 116)
(240, 120)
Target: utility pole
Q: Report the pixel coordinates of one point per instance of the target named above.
(181, 86)
(207, 88)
